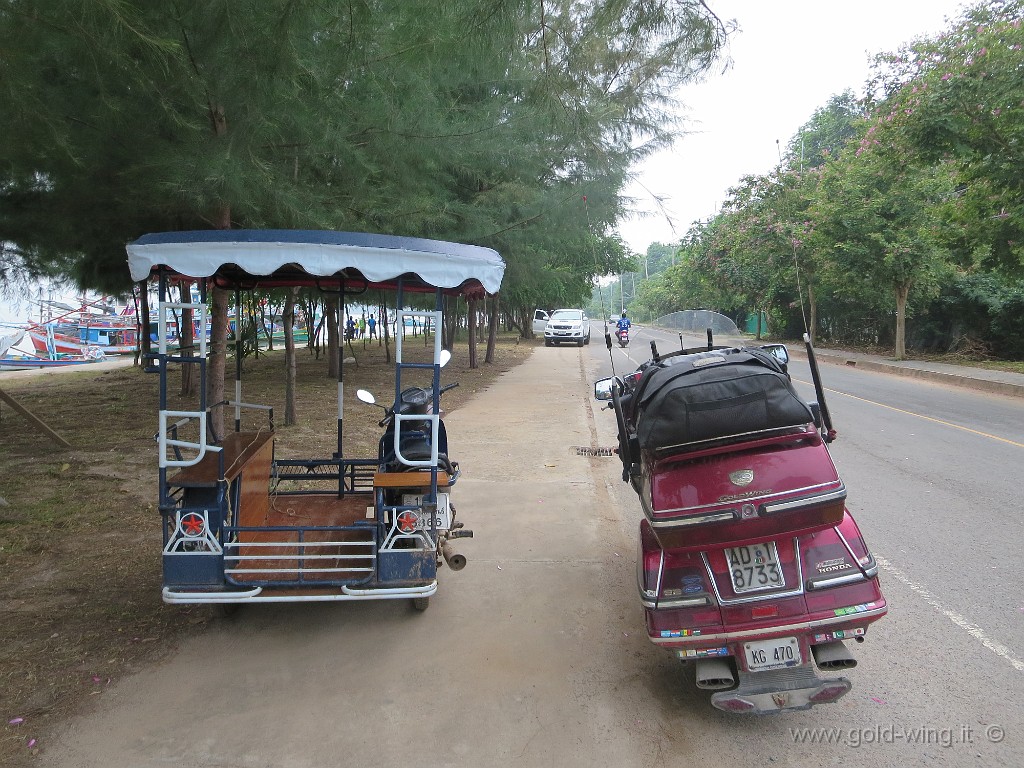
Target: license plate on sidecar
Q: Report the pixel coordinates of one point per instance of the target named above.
(754, 567)
(443, 517)
(776, 653)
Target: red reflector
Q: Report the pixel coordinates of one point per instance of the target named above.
(192, 524)
(764, 611)
(830, 692)
(735, 704)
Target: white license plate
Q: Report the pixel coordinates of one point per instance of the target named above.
(443, 518)
(754, 567)
(772, 654)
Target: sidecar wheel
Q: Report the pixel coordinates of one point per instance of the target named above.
(421, 603)
(224, 610)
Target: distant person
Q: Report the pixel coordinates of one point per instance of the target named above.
(623, 324)
(350, 328)
(372, 324)
(362, 326)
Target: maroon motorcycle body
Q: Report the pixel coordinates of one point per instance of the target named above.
(749, 563)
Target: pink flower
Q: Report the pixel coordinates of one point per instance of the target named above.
(947, 76)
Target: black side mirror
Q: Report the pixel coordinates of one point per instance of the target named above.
(778, 351)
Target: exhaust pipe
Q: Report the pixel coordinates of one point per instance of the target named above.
(833, 655)
(714, 674)
(455, 561)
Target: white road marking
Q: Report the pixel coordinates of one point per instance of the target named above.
(972, 629)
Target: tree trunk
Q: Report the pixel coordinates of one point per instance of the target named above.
(290, 411)
(331, 320)
(492, 330)
(317, 333)
(383, 331)
(902, 292)
(140, 294)
(471, 318)
(449, 327)
(186, 347)
(253, 313)
(267, 328)
(218, 361)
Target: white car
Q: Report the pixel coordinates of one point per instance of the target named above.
(567, 325)
(540, 321)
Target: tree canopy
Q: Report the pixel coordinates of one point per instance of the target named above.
(507, 124)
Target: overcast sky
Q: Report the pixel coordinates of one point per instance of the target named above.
(789, 58)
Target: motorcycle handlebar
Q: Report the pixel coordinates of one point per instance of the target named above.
(404, 403)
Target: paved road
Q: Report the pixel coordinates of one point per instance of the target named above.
(536, 654)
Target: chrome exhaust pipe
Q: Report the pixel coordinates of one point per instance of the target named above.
(455, 561)
(714, 674)
(833, 655)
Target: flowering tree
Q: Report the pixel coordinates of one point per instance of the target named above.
(957, 100)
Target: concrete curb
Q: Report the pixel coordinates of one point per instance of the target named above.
(965, 380)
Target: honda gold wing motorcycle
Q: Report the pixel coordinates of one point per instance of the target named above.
(749, 564)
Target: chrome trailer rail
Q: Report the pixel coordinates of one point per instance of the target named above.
(179, 597)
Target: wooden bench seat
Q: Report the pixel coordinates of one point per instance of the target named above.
(238, 449)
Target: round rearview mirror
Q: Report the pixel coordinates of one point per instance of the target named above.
(366, 397)
(445, 356)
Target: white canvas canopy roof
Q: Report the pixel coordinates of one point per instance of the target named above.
(301, 256)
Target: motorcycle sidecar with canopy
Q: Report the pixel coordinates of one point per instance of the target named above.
(243, 526)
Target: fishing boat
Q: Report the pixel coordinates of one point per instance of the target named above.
(20, 362)
(27, 362)
(94, 324)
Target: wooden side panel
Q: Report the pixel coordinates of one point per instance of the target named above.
(254, 479)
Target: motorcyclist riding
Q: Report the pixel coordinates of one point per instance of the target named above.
(623, 324)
